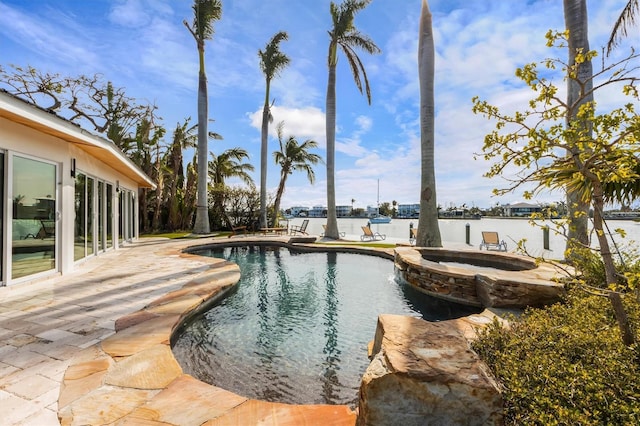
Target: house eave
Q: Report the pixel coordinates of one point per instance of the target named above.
(31, 116)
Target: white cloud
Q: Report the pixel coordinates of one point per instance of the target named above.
(303, 123)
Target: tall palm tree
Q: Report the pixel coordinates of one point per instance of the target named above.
(272, 61)
(428, 229)
(627, 18)
(183, 137)
(205, 12)
(292, 157)
(228, 164)
(179, 206)
(579, 92)
(345, 36)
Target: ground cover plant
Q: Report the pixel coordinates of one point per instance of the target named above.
(566, 364)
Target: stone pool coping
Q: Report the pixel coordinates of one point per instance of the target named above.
(533, 284)
(133, 377)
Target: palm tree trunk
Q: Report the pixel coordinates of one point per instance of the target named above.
(276, 203)
(428, 229)
(202, 210)
(332, 220)
(576, 21)
(263, 160)
(611, 275)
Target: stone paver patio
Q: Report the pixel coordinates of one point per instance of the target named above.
(62, 361)
(60, 355)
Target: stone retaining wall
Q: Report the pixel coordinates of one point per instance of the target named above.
(524, 284)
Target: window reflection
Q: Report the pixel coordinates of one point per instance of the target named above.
(34, 217)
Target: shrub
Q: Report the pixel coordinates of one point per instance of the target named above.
(566, 364)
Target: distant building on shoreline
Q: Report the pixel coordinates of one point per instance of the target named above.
(408, 211)
(521, 209)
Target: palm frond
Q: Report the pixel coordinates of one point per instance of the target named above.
(627, 18)
(272, 60)
(205, 13)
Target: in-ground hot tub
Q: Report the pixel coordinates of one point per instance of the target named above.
(487, 279)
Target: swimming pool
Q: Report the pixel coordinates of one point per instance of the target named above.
(296, 327)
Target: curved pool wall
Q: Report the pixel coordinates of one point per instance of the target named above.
(297, 328)
(94, 386)
(513, 282)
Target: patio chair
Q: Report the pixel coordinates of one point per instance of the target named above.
(302, 229)
(369, 235)
(413, 236)
(491, 241)
(48, 229)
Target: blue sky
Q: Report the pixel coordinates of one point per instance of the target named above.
(143, 46)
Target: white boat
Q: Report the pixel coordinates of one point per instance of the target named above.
(379, 218)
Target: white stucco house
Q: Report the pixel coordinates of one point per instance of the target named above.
(65, 194)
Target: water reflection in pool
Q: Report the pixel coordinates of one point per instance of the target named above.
(296, 328)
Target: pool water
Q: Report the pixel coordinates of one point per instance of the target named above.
(296, 328)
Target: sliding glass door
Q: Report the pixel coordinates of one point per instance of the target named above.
(34, 216)
(94, 216)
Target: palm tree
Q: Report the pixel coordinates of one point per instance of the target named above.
(627, 18)
(292, 157)
(345, 36)
(228, 165)
(183, 137)
(428, 229)
(179, 206)
(205, 12)
(579, 93)
(272, 61)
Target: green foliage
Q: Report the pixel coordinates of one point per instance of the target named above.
(535, 140)
(233, 206)
(566, 364)
(589, 269)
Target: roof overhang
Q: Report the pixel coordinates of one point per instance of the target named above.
(29, 115)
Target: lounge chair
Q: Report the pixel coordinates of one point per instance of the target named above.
(48, 229)
(236, 230)
(302, 229)
(369, 235)
(342, 234)
(491, 241)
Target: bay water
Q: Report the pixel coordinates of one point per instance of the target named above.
(454, 232)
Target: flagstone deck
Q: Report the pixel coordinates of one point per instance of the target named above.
(93, 347)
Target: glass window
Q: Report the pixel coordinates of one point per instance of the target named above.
(34, 217)
(80, 224)
(101, 245)
(109, 215)
(90, 212)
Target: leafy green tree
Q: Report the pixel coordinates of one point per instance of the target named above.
(604, 152)
(183, 138)
(205, 13)
(385, 209)
(229, 164)
(343, 35)
(85, 100)
(147, 143)
(428, 228)
(242, 204)
(292, 157)
(180, 200)
(272, 61)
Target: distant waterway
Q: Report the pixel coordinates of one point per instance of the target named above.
(453, 231)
